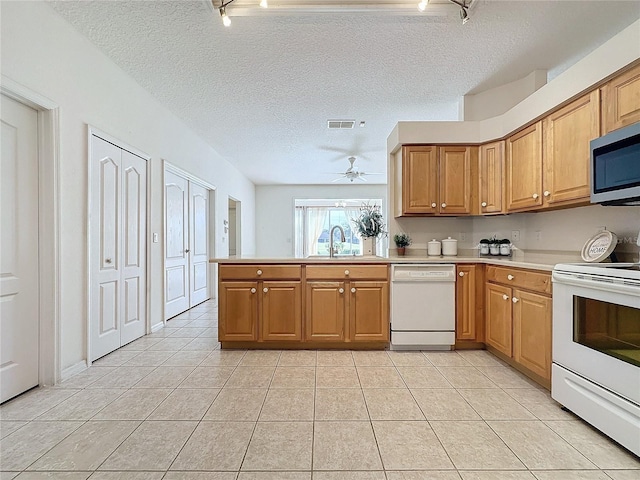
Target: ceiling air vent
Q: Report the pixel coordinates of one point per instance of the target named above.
(340, 124)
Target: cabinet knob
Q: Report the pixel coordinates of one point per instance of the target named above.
(444, 205)
(346, 272)
(484, 204)
(433, 205)
(547, 193)
(461, 274)
(505, 297)
(259, 272)
(515, 300)
(253, 290)
(535, 196)
(107, 260)
(265, 289)
(510, 277)
(341, 290)
(353, 290)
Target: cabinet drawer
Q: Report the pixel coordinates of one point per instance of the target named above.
(334, 272)
(539, 282)
(256, 272)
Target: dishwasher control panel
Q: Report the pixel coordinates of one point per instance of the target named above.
(423, 273)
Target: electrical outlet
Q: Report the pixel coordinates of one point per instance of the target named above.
(463, 237)
(515, 235)
(538, 234)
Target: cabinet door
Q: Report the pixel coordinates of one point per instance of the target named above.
(498, 317)
(621, 101)
(567, 133)
(524, 168)
(238, 311)
(369, 311)
(532, 332)
(325, 311)
(491, 183)
(419, 180)
(281, 311)
(455, 168)
(469, 303)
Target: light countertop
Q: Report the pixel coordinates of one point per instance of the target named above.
(536, 260)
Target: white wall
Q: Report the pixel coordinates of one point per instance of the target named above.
(45, 54)
(275, 207)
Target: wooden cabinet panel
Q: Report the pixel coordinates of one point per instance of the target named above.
(537, 281)
(419, 180)
(257, 272)
(455, 167)
(567, 133)
(498, 318)
(469, 303)
(621, 100)
(347, 271)
(325, 311)
(532, 332)
(524, 168)
(282, 311)
(369, 311)
(238, 304)
(491, 178)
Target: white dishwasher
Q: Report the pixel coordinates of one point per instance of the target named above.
(423, 308)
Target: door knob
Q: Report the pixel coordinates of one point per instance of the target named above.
(259, 272)
(265, 289)
(253, 290)
(444, 205)
(505, 297)
(187, 251)
(341, 290)
(107, 260)
(547, 193)
(461, 274)
(484, 204)
(515, 300)
(535, 196)
(433, 205)
(353, 290)
(510, 277)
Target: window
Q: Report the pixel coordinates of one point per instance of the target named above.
(314, 219)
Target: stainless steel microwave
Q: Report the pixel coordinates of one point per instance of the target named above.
(615, 167)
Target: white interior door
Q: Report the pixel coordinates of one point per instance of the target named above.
(176, 194)
(19, 321)
(106, 261)
(134, 233)
(198, 244)
(118, 257)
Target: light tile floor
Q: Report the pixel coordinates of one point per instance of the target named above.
(172, 405)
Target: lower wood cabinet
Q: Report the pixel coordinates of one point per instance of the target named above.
(281, 311)
(369, 311)
(325, 311)
(469, 304)
(238, 307)
(518, 320)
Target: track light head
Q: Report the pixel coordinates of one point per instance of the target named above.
(264, 4)
(464, 15)
(226, 21)
(422, 6)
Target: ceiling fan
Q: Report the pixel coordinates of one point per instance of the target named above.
(352, 173)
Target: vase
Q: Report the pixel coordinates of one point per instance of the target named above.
(401, 251)
(369, 246)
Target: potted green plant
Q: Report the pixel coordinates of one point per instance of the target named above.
(403, 240)
(370, 226)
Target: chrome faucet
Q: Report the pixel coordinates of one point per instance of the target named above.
(332, 251)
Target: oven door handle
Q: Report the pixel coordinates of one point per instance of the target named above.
(605, 285)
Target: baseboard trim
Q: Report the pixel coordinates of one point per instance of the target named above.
(157, 326)
(73, 370)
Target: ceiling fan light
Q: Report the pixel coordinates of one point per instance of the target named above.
(226, 21)
(422, 6)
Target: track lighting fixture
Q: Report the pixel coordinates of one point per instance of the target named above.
(464, 8)
(226, 21)
(422, 6)
(264, 4)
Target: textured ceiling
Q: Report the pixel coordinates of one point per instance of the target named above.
(261, 91)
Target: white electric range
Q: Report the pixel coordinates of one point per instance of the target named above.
(596, 346)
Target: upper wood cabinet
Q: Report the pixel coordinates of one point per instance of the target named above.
(524, 169)
(621, 100)
(419, 180)
(567, 133)
(491, 178)
(437, 180)
(456, 167)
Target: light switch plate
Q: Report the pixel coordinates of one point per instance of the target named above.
(155, 238)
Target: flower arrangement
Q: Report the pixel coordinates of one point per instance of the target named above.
(370, 222)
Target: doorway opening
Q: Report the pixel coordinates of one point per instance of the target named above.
(233, 226)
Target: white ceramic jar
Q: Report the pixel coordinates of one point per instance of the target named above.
(434, 248)
(505, 249)
(450, 247)
(494, 248)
